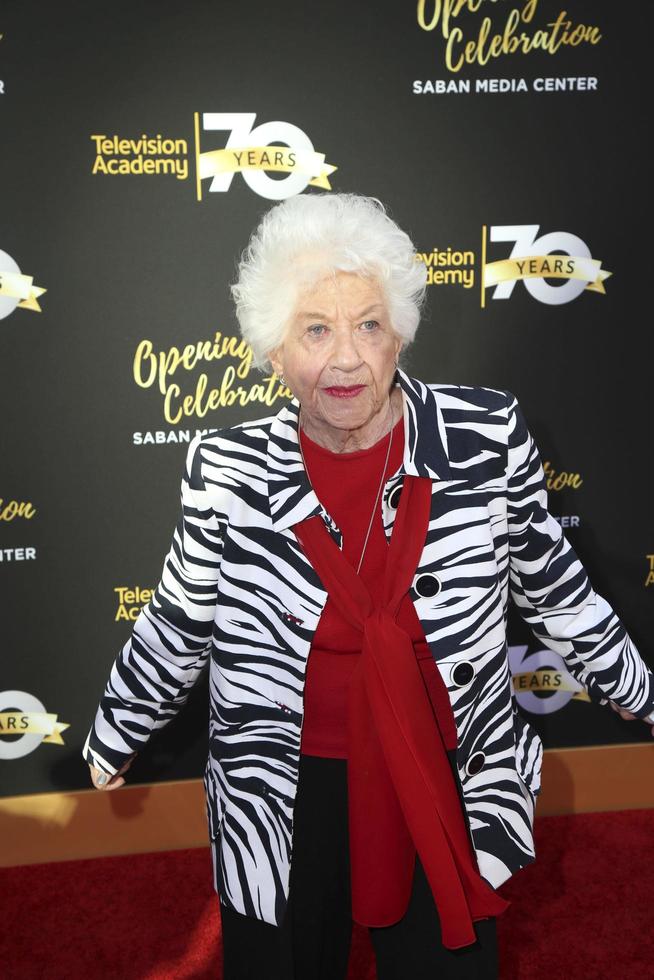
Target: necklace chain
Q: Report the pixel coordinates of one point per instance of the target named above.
(379, 489)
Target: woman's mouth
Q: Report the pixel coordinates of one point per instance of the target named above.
(344, 391)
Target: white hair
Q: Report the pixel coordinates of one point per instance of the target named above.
(309, 237)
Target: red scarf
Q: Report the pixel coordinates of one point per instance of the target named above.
(401, 791)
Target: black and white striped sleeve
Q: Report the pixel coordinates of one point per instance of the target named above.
(154, 671)
(552, 590)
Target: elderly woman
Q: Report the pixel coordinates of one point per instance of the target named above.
(346, 565)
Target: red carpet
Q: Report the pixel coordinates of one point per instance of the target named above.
(585, 909)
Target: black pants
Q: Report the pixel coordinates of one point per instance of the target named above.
(313, 942)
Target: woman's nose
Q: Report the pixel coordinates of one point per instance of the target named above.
(345, 354)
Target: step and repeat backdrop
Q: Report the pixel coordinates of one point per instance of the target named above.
(142, 142)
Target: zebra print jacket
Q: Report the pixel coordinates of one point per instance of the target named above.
(236, 589)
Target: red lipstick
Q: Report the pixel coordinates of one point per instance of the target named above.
(342, 391)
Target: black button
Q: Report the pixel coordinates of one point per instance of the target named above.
(428, 585)
(463, 673)
(475, 763)
(394, 496)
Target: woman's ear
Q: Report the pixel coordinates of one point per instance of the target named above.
(276, 362)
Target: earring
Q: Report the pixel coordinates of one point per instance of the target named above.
(282, 379)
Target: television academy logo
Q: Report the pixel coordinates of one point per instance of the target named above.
(16, 289)
(253, 151)
(541, 682)
(131, 601)
(248, 150)
(534, 259)
(24, 724)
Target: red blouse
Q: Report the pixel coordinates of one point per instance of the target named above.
(402, 797)
(336, 644)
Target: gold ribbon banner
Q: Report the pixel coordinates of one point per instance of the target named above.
(33, 723)
(282, 159)
(18, 286)
(510, 270)
(548, 682)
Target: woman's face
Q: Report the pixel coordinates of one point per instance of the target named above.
(338, 355)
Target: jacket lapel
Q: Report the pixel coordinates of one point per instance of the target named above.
(291, 496)
(425, 438)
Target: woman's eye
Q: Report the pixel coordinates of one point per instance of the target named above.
(316, 329)
(369, 325)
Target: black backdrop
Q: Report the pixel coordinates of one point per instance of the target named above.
(131, 257)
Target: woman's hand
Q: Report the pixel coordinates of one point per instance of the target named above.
(627, 715)
(110, 782)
